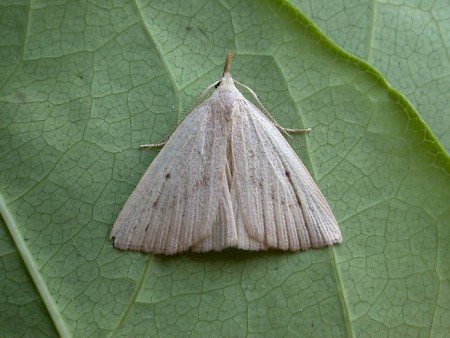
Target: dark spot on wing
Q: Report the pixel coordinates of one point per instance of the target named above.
(205, 179)
(167, 176)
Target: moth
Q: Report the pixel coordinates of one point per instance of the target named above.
(225, 178)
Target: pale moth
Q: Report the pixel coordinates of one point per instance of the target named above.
(225, 178)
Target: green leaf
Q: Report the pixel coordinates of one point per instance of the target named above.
(84, 83)
(408, 44)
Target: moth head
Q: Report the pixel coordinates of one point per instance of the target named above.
(227, 80)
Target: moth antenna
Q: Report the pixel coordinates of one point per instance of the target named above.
(284, 130)
(226, 67)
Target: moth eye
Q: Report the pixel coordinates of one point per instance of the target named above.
(218, 84)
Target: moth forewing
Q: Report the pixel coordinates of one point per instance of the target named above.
(174, 204)
(305, 217)
(225, 178)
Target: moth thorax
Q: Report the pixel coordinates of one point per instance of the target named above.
(228, 103)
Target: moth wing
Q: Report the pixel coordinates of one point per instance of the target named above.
(176, 201)
(228, 229)
(281, 205)
(223, 234)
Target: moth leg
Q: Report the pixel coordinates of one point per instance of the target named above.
(162, 144)
(288, 130)
(151, 146)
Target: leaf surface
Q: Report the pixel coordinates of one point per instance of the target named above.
(407, 43)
